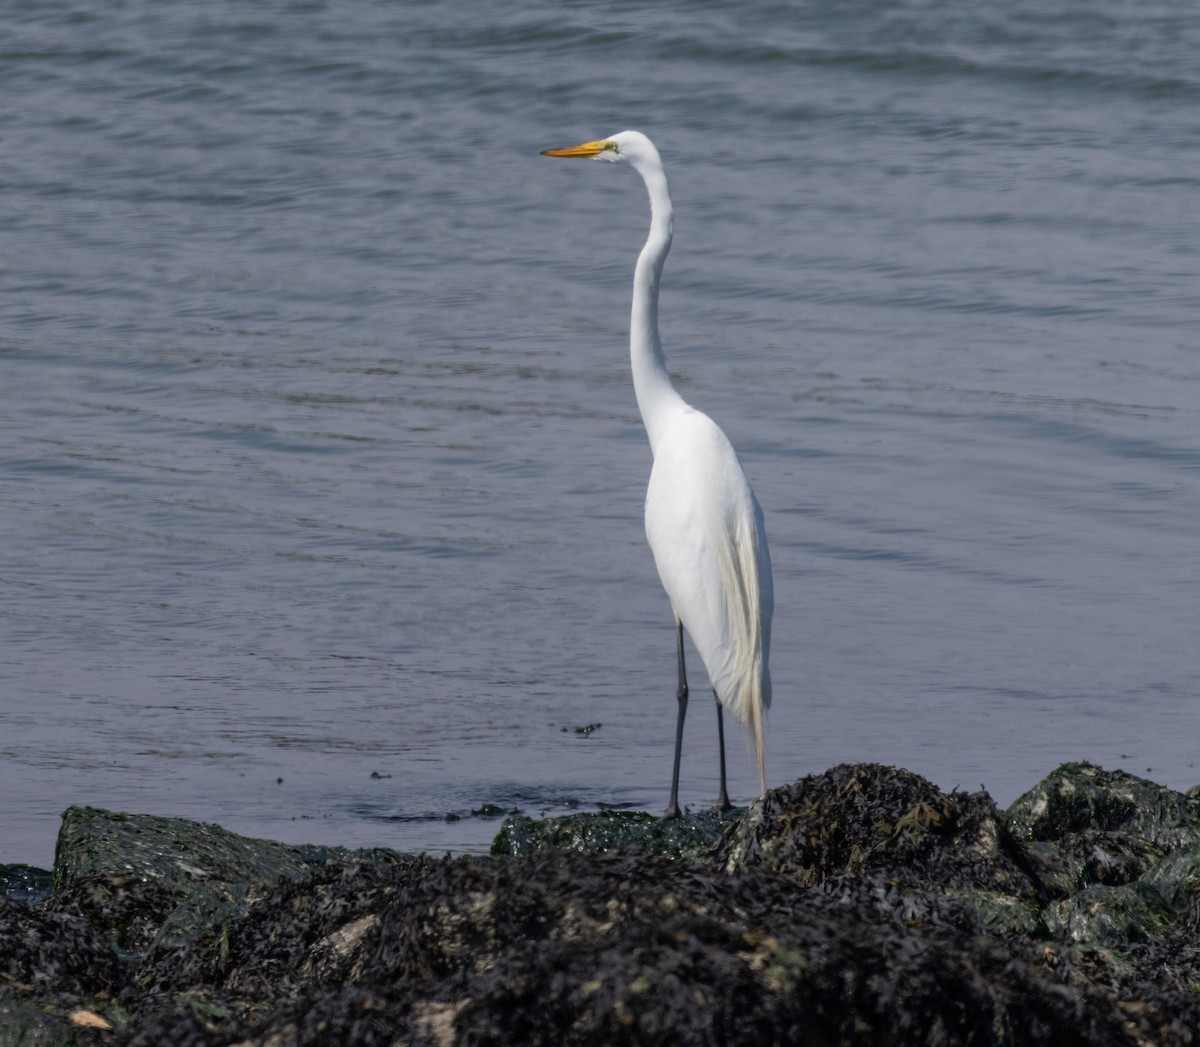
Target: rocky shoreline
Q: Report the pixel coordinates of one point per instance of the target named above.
(859, 906)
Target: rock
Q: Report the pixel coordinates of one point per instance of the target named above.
(623, 948)
(1080, 799)
(133, 875)
(691, 837)
(25, 883)
(50, 962)
(46, 953)
(1123, 852)
(893, 827)
(1176, 876)
(1110, 916)
(860, 906)
(866, 818)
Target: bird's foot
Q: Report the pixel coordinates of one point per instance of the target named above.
(672, 811)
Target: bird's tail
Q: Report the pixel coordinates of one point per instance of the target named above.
(756, 711)
(750, 676)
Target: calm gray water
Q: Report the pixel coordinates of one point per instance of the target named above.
(322, 475)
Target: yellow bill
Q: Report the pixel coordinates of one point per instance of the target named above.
(586, 149)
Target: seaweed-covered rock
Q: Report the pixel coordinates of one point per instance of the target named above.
(625, 949)
(56, 972)
(26, 1022)
(1166, 969)
(1110, 916)
(1122, 853)
(49, 953)
(129, 873)
(304, 932)
(861, 906)
(1103, 827)
(25, 883)
(691, 837)
(1081, 798)
(1176, 876)
(341, 1016)
(866, 818)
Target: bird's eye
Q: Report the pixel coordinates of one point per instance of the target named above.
(612, 147)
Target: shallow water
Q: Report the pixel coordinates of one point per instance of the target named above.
(323, 476)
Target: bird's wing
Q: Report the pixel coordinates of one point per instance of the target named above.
(705, 529)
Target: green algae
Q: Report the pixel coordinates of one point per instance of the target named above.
(690, 837)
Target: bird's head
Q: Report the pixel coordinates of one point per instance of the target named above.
(631, 147)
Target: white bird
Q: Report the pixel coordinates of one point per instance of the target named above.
(703, 522)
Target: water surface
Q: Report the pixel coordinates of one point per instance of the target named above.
(322, 475)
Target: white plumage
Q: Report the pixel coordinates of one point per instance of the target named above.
(703, 523)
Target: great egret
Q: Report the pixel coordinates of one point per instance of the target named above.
(703, 522)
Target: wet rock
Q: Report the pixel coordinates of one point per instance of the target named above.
(51, 964)
(1080, 799)
(1123, 852)
(860, 906)
(894, 827)
(866, 818)
(691, 837)
(1176, 876)
(26, 883)
(1102, 827)
(50, 952)
(625, 948)
(1166, 970)
(131, 874)
(23, 1021)
(1110, 916)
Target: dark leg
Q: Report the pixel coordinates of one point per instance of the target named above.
(723, 803)
(681, 695)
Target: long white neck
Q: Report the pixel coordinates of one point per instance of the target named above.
(656, 396)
